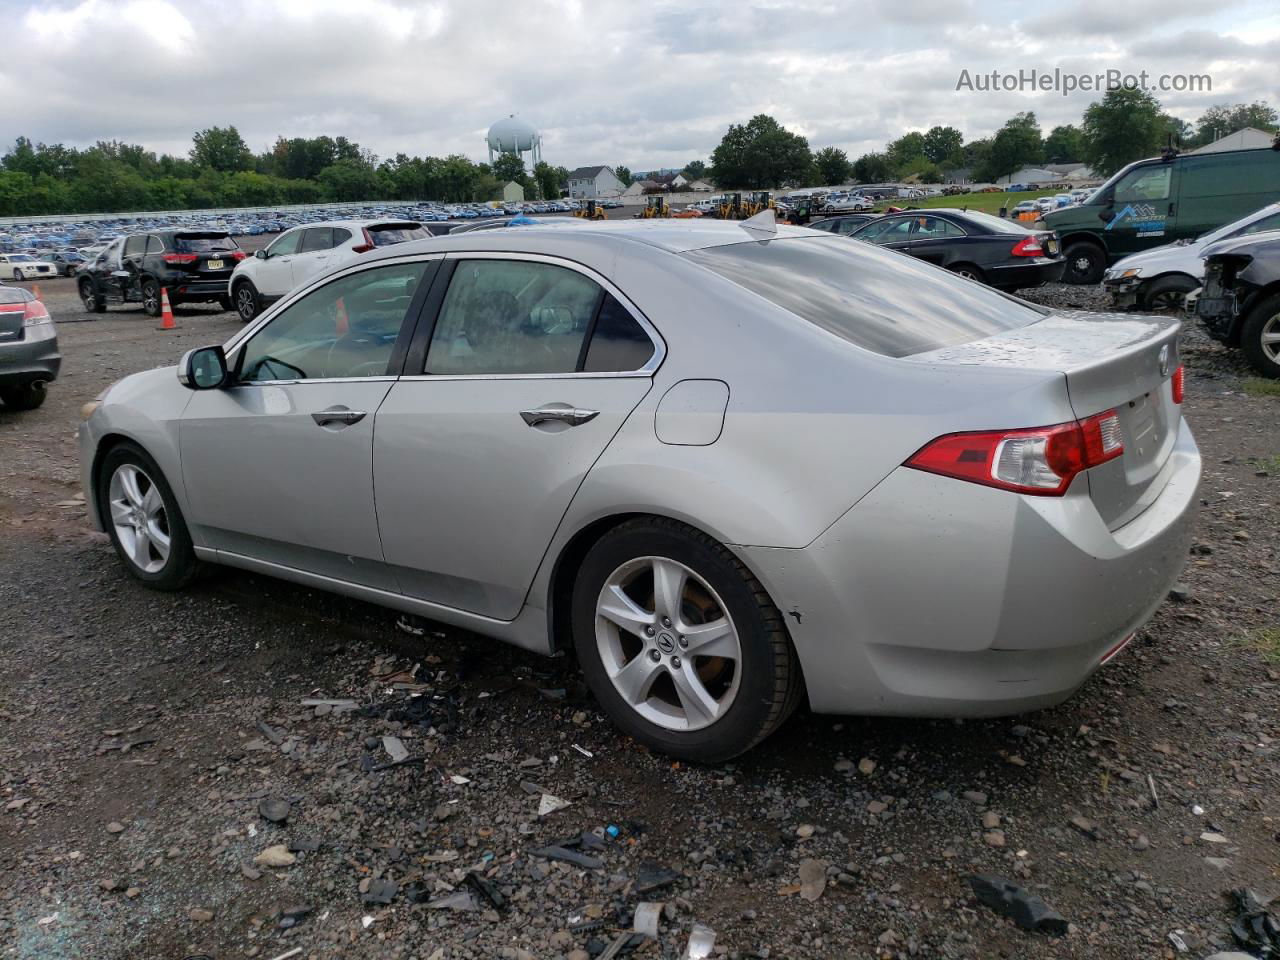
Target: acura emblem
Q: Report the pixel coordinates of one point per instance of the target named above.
(1164, 360)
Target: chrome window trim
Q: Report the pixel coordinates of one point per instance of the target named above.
(650, 367)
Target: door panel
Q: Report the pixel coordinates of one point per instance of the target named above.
(469, 495)
(266, 480)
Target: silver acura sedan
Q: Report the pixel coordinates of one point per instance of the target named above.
(730, 465)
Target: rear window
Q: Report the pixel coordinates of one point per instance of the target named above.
(14, 295)
(203, 243)
(385, 234)
(882, 301)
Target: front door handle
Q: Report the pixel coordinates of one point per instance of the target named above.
(338, 414)
(573, 416)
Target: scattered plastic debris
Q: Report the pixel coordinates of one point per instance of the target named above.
(297, 950)
(646, 919)
(556, 852)
(1022, 906)
(458, 900)
(550, 803)
(487, 889)
(381, 891)
(396, 749)
(654, 876)
(813, 879)
(1175, 937)
(702, 942)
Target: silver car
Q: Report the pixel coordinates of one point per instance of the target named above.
(732, 466)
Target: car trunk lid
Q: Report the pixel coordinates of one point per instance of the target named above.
(1110, 362)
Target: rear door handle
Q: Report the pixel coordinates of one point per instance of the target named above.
(338, 414)
(573, 416)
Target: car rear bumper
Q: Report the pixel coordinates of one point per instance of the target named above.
(936, 597)
(31, 359)
(1019, 276)
(199, 289)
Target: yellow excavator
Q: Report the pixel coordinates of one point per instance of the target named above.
(736, 207)
(655, 206)
(592, 211)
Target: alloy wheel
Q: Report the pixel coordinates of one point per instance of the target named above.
(1271, 339)
(668, 644)
(87, 297)
(1168, 300)
(244, 302)
(139, 517)
(151, 298)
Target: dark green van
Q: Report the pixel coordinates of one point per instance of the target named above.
(1158, 201)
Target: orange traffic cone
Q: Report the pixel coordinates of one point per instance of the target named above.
(340, 323)
(35, 291)
(166, 312)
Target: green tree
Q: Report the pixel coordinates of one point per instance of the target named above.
(549, 179)
(872, 168)
(1064, 144)
(1015, 145)
(1125, 125)
(905, 149)
(695, 170)
(348, 180)
(510, 166)
(221, 149)
(623, 174)
(761, 153)
(944, 146)
(833, 166)
(1222, 119)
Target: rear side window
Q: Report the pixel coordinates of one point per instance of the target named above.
(154, 245)
(134, 246)
(385, 234)
(204, 243)
(316, 238)
(618, 342)
(877, 299)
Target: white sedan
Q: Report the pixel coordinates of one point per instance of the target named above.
(23, 266)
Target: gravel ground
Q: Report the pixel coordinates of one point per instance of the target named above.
(143, 736)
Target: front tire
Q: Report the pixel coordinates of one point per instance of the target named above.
(17, 275)
(143, 520)
(1260, 338)
(151, 298)
(680, 643)
(1085, 262)
(93, 303)
(1168, 293)
(23, 398)
(247, 302)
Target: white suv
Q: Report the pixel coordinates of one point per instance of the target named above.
(299, 254)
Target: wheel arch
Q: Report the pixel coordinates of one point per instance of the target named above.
(1251, 303)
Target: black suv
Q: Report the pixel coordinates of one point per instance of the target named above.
(193, 265)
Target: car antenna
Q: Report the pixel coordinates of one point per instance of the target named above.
(763, 222)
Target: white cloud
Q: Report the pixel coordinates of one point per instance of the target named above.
(610, 81)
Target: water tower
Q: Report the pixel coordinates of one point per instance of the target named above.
(514, 136)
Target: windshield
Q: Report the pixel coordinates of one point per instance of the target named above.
(878, 299)
(203, 243)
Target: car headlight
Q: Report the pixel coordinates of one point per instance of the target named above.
(1114, 274)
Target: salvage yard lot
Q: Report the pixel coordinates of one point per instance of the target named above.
(139, 733)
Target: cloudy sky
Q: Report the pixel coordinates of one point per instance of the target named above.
(643, 83)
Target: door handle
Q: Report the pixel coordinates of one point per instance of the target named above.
(338, 414)
(1172, 208)
(573, 416)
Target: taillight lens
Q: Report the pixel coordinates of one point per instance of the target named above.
(35, 312)
(1041, 461)
(367, 245)
(239, 255)
(180, 257)
(1177, 382)
(1028, 246)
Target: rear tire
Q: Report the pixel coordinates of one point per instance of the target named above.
(153, 508)
(704, 707)
(17, 275)
(1086, 262)
(23, 398)
(969, 271)
(1260, 338)
(1168, 293)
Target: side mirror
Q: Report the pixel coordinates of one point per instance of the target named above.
(204, 368)
(260, 254)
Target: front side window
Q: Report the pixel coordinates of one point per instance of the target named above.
(889, 230)
(286, 245)
(512, 317)
(134, 246)
(1145, 183)
(347, 328)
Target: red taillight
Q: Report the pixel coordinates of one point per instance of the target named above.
(367, 245)
(1177, 383)
(1041, 461)
(239, 255)
(1028, 246)
(35, 312)
(180, 257)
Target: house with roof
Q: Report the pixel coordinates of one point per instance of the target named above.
(594, 183)
(1246, 138)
